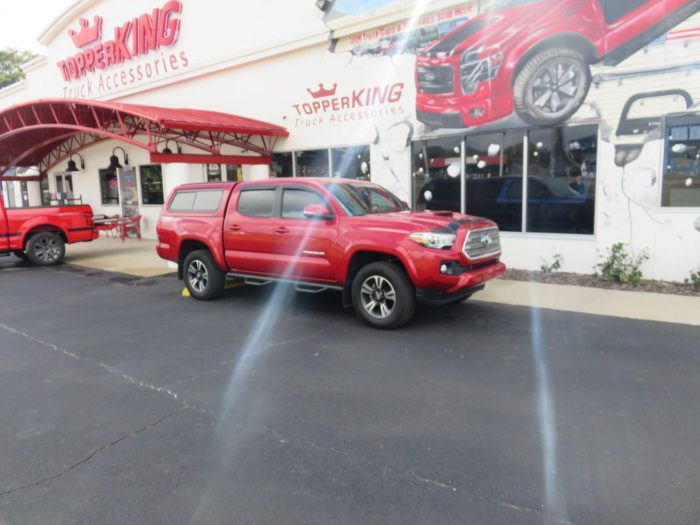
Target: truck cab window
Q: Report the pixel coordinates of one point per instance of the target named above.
(616, 9)
(295, 200)
(256, 203)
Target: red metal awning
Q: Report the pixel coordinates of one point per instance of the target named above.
(45, 132)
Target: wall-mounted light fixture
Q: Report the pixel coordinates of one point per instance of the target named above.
(114, 160)
(71, 163)
(325, 5)
(168, 151)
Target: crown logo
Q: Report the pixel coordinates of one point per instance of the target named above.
(323, 92)
(87, 34)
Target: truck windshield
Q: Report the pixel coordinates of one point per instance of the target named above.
(363, 199)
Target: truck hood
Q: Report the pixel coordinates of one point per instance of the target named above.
(492, 29)
(407, 221)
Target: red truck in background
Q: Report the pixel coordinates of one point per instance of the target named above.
(533, 56)
(346, 235)
(40, 234)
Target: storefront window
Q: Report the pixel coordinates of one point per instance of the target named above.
(234, 173)
(351, 163)
(45, 191)
(494, 168)
(436, 174)
(109, 186)
(681, 185)
(151, 184)
(282, 165)
(312, 163)
(213, 172)
(561, 180)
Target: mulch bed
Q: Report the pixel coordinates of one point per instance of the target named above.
(577, 279)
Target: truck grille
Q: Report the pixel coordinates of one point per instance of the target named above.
(436, 79)
(482, 243)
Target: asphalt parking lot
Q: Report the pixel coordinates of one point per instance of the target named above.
(123, 402)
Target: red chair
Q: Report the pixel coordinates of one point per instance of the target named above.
(130, 224)
(109, 225)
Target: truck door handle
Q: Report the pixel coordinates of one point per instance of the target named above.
(282, 229)
(234, 228)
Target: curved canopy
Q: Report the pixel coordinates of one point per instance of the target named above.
(45, 132)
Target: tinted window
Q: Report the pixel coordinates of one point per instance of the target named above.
(109, 186)
(151, 184)
(256, 203)
(616, 9)
(182, 201)
(294, 202)
(197, 201)
(207, 200)
(681, 184)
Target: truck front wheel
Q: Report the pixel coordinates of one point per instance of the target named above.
(203, 278)
(383, 295)
(551, 86)
(45, 249)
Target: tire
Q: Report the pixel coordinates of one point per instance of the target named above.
(374, 287)
(203, 278)
(536, 102)
(45, 249)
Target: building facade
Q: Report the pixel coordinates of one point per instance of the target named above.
(575, 124)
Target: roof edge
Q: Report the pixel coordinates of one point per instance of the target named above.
(62, 20)
(34, 63)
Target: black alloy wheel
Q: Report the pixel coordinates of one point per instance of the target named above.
(383, 295)
(203, 278)
(45, 249)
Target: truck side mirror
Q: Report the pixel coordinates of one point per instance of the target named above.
(318, 212)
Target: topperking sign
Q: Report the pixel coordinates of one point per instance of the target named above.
(148, 34)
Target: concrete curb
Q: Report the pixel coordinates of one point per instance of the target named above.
(665, 308)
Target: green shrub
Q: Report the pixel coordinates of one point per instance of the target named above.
(553, 266)
(694, 279)
(621, 267)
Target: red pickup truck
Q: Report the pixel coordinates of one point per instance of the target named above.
(40, 234)
(318, 234)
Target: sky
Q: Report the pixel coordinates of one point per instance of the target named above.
(354, 7)
(22, 21)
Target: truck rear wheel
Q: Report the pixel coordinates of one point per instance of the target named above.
(383, 295)
(45, 249)
(203, 278)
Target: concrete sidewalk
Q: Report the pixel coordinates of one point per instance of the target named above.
(664, 308)
(132, 257)
(139, 258)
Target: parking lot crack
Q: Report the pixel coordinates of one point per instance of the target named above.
(112, 371)
(412, 475)
(95, 452)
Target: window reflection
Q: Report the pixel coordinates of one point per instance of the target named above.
(282, 165)
(436, 174)
(561, 165)
(494, 167)
(351, 162)
(681, 186)
(312, 163)
(561, 180)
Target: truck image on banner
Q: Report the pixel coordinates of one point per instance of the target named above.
(511, 58)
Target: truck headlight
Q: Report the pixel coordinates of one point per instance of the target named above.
(477, 66)
(438, 241)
